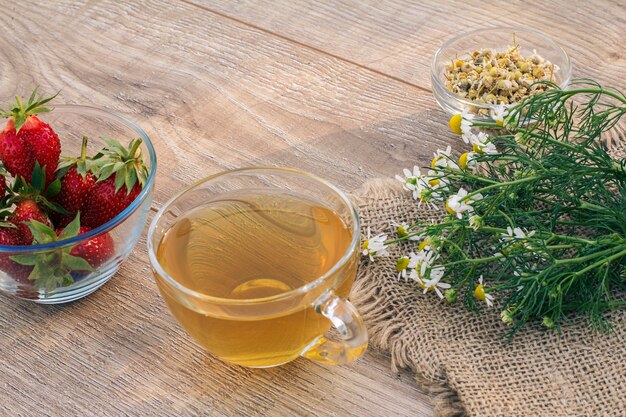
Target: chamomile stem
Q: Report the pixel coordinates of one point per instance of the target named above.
(590, 256)
(503, 184)
(570, 246)
(601, 262)
(474, 260)
(551, 236)
(570, 93)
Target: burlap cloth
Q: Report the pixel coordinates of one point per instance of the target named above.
(463, 359)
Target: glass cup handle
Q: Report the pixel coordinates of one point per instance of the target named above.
(348, 323)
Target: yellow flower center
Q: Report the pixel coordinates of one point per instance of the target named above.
(500, 122)
(434, 182)
(479, 292)
(449, 209)
(365, 244)
(463, 160)
(424, 243)
(476, 148)
(402, 264)
(402, 232)
(455, 124)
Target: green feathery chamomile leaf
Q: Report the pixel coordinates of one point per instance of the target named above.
(20, 111)
(125, 162)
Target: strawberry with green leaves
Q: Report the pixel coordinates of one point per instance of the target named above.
(57, 267)
(27, 140)
(24, 212)
(77, 181)
(121, 174)
(31, 199)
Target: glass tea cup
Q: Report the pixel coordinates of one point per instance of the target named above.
(256, 263)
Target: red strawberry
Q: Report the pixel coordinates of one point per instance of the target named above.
(75, 187)
(10, 236)
(25, 211)
(96, 250)
(26, 140)
(74, 191)
(15, 152)
(121, 176)
(44, 143)
(103, 202)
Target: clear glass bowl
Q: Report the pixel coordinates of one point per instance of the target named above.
(498, 39)
(71, 123)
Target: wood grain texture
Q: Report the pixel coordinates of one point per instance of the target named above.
(337, 90)
(400, 37)
(213, 94)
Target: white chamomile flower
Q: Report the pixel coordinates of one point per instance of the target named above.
(468, 161)
(459, 203)
(374, 246)
(436, 181)
(402, 264)
(443, 159)
(424, 188)
(409, 181)
(480, 143)
(466, 121)
(480, 294)
(515, 241)
(461, 122)
(488, 148)
(498, 114)
(517, 234)
(433, 283)
(407, 263)
(425, 274)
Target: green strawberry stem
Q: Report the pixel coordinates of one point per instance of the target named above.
(83, 148)
(53, 268)
(36, 190)
(126, 163)
(135, 147)
(82, 163)
(35, 105)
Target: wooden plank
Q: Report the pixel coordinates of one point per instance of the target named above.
(399, 37)
(212, 94)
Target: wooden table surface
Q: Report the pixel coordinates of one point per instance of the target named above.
(337, 88)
